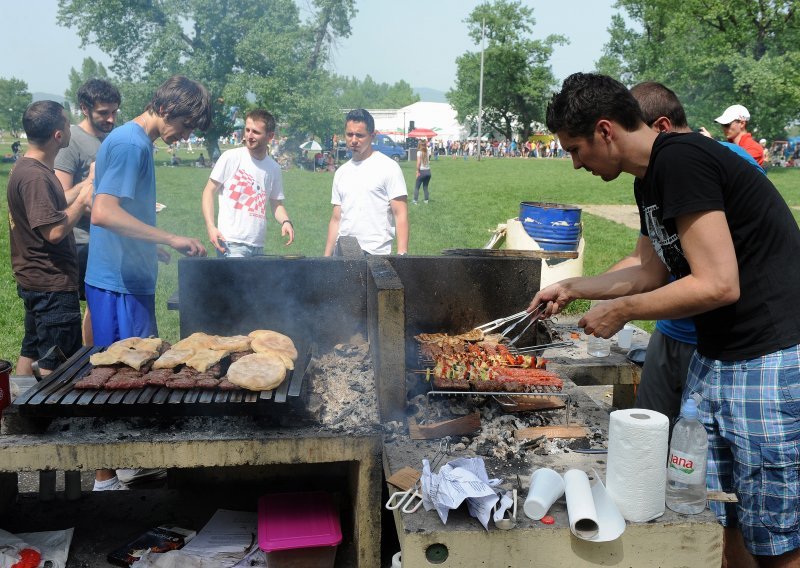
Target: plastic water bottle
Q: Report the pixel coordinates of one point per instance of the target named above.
(686, 469)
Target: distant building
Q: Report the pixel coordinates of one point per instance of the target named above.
(439, 117)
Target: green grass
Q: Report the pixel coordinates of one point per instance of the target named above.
(468, 200)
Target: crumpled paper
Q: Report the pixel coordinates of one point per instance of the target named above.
(459, 480)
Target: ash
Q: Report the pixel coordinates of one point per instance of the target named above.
(343, 395)
(496, 438)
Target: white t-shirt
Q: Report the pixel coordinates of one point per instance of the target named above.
(247, 184)
(364, 190)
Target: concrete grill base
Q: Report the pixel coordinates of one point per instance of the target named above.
(672, 540)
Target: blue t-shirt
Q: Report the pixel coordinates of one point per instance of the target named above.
(125, 169)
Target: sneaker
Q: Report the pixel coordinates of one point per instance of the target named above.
(415, 202)
(426, 201)
(113, 484)
(137, 475)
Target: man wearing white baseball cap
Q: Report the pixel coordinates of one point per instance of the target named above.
(734, 127)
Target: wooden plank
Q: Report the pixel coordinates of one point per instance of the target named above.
(531, 403)
(404, 478)
(570, 431)
(455, 427)
(511, 253)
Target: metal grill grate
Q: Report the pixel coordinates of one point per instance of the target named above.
(55, 396)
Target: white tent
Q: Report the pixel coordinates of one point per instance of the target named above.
(440, 117)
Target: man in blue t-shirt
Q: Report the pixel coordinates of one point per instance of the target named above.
(123, 260)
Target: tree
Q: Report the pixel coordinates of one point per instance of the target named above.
(714, 53)
(14, 99)
(517, 79)
(241, 50)
(90, 69)
(352, 93)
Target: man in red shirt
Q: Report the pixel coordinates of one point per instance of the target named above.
(734, 127)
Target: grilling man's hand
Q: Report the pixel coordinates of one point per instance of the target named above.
(188, 246)
(603, 320)
(556, 296)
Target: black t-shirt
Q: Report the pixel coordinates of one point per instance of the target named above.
(35, 199)
(690, 173)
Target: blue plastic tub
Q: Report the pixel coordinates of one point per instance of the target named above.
(552, 225)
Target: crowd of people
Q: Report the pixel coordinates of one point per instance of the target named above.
(710, 264)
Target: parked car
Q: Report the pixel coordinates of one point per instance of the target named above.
(386, 145)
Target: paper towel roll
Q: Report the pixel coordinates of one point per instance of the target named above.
(580, 504)
(637, 457)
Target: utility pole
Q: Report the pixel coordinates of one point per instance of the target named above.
(480, 90)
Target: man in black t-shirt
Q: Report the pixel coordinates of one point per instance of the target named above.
(722, 230)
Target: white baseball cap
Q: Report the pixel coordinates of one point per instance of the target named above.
(733, 112)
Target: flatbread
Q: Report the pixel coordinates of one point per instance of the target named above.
(148, 344)
(173, 358)
(274, 341)
(257, 372)
(198, 340)
(231, 343)
(288, 362)
(136, 359)
(278, 337)
(205, 358)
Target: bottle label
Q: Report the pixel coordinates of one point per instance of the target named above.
(685, 468)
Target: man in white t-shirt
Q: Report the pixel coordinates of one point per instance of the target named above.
(369, 197)
(245, 179)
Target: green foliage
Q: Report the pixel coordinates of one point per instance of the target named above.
(239, 49)
(714, 53)
(14, 99)
(352, 93)
(517, 78)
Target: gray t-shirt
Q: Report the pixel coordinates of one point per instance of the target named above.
(75, 159)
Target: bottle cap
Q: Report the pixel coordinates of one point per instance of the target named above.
(689, 409)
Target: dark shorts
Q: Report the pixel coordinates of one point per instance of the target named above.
(51, 318)
(664, 375)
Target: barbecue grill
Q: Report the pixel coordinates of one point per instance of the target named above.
(55, 396)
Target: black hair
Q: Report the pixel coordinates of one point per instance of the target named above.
(180, 97)
(96, 91)
(361, 115)
(656, 100)
(262, 115)
(41, 119)
(586, 98)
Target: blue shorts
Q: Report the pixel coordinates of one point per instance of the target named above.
(116, 315)
(751, 411)
(51, 318)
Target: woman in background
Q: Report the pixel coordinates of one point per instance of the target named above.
(423, 171)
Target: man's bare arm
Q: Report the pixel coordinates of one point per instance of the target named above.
(400, 212)
(281, 216)
(333, 229)
(108, 213)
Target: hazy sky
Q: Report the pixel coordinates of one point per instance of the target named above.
(413, 40)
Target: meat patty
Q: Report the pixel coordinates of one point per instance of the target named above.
(181, 383)
(125, 381)
(96, 378)
(226, 385)
(236, 355)
(207, 383)
(159, 377)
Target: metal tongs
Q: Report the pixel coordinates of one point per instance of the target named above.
(410, 500)
(515, 320)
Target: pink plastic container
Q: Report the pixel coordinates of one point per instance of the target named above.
(299, 530)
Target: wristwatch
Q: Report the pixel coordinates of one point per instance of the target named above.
(287, 221)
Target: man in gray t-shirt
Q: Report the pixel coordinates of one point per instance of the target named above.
(99, 101)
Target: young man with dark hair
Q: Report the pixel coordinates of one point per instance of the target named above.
(43, 257)
(245, 179)
(123, 259)
(99, 102)
(722, 230)
(369, 197)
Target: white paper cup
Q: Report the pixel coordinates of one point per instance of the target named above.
(547, 486)
(625, 336)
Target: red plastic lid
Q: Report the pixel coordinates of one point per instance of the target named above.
(548, 520)
(297, 520)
